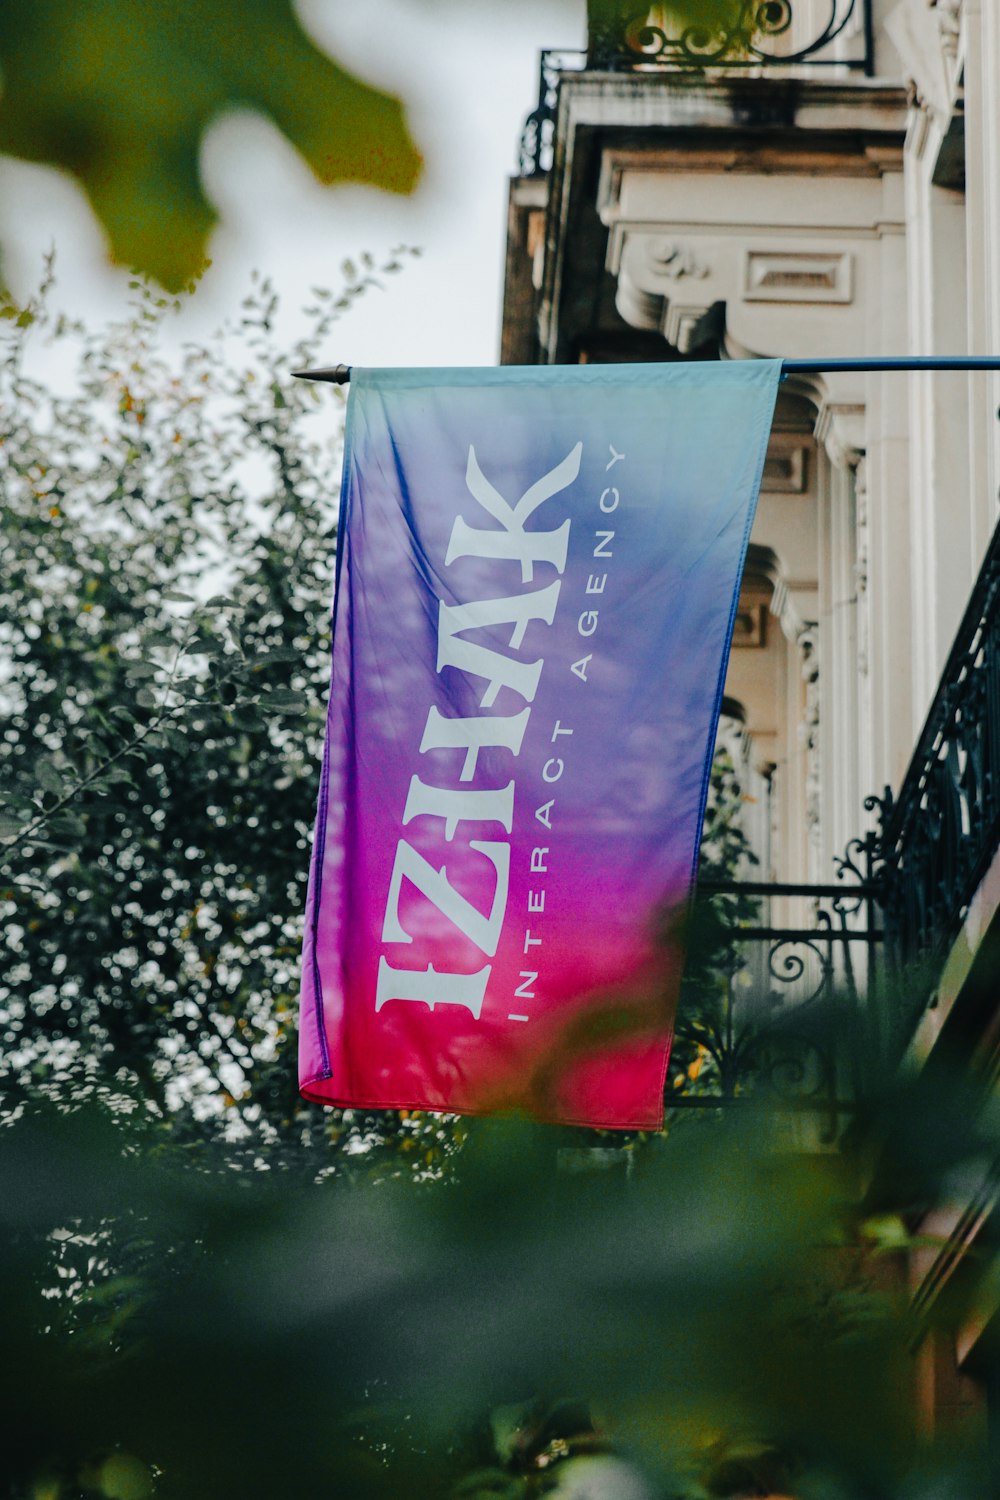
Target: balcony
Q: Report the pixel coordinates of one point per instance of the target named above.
(811, 37)
(807, 1012)
(939, 835)
(730, 34)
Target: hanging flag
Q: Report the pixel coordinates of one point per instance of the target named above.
(537, 574)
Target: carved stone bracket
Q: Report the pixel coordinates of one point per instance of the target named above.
(926, 34)
(808, 644)
(861, 565)
(840, 428)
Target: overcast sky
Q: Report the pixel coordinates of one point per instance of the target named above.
(468, 74)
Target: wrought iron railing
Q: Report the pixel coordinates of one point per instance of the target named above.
(747, 34)
(539, 128)
(939, 836)
(803, 1011)
(780, 1002)
(731, 34)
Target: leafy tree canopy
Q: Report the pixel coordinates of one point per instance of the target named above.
(166, 558)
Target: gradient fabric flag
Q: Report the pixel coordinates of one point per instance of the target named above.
(537, 575)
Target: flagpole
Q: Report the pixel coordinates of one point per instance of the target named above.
(341, 374)
(909, 362)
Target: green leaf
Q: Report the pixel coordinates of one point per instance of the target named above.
(48, 777)
(145, 698)
(284, 700)
(120, 94)
(66, 826)
(245, 716)
(280, 653)
(122, 1477)
(10, 827)
(177, 596)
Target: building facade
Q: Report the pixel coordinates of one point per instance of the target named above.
(821, 179)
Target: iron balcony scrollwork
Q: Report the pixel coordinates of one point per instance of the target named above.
(539, 128)
(781, 1014)
(743, 34)
(732, 34)
(940, 834)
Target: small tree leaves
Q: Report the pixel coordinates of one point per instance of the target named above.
(117, 776)
(120, 94)
(278, 654)
(283, 700)
(66, 828)
(49, 779)
(168, 854)
(203, 645)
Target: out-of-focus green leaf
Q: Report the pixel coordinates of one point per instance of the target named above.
(284, 700)
(48, 777)
(66, 826)
(264, 658)
(204, 645)
(120, 92)
(122, 1477)
(369, 1342)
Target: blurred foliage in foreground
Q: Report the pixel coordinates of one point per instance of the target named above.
(720, 1310)
(120, 94)
(167, 533)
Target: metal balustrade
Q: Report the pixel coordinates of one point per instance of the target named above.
(812, 1011)
(741, 34)
(746, 36)
(780, 998)
(939, 836)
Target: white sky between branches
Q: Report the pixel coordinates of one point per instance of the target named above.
(468, 75)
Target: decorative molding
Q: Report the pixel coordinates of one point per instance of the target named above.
(949, 17)
(798, 276)
(807, 641)
(680, 324)
(750, 624)
(840, 428)
(664, 285)
(861, 565)
(925, 33)
(786, 611)
(786, 465)
(643, 308)
(674, 260)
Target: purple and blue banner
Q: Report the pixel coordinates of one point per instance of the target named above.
(537, 575)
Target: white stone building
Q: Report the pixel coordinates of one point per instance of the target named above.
(826, 185)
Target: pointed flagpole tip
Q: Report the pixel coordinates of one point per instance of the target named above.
(335, 374)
